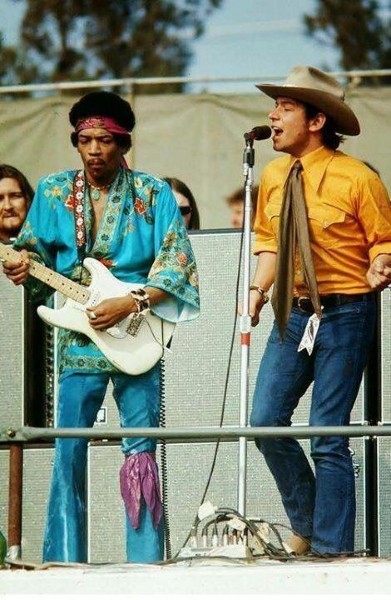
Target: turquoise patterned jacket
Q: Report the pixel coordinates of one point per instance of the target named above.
(141, 239)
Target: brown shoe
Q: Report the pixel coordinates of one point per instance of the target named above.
(297, 545)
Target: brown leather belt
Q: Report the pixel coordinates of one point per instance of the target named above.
(304, 302)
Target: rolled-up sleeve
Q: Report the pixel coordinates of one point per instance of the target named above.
(374, 210)
(265, 239)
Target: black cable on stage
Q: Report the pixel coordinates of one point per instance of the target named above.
(223, 406)
(163, 462)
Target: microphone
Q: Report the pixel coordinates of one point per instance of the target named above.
(262, 132)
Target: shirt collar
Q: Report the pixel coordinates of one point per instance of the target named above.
(315, 164)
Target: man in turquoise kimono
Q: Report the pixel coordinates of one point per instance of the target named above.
(128, 221)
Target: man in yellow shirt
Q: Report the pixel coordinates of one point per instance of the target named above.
(324, 322)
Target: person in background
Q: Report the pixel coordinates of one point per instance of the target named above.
(236, 203)
(323, 238)
(129, 222)
(16, 195)
(186, 202)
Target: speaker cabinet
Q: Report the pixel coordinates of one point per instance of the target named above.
(37, 470)
(23, 355)
(384, 443)
(385, 355)
(13, 349)
(384, 495)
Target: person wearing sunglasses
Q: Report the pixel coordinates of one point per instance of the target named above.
(186, 202)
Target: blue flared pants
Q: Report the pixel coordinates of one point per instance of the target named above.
(79, 400)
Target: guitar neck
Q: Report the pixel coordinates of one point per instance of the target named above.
(58, 282)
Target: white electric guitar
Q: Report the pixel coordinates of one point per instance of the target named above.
(134, 345)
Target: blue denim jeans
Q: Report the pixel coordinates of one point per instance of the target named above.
(79, 400)
(320, 505)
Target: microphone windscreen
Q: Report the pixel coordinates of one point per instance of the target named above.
(263, 132)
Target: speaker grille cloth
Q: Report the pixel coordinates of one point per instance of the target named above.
(12, 354)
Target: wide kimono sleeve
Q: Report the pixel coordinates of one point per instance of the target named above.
(174, 269)
(38, 234)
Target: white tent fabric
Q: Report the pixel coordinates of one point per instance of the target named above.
(196, 138)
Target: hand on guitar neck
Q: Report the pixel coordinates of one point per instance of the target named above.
(17, 270)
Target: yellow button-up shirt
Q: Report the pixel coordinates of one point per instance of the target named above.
(349, 218)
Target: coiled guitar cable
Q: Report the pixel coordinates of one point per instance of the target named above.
(163, 461)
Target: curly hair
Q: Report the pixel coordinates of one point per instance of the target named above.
(104, 104)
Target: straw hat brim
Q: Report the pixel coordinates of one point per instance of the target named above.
(344, 119)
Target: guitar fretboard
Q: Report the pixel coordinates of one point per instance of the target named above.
(58, 282)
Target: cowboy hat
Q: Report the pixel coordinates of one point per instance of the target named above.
(312, 86)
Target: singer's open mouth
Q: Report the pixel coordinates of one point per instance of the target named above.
(276, 131)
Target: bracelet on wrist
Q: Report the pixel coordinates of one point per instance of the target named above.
(261, 292)
(141, 298)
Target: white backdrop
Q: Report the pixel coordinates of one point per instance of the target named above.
(197, 138)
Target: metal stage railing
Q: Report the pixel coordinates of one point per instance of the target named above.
(192, 434)
(354, 77)
(16, 438)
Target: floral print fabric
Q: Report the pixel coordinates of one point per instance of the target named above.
(141, 239)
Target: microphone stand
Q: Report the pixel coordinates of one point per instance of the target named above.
(245, 322)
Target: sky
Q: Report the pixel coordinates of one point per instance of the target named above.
(258, 39)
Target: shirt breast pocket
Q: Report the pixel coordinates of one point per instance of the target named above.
(325, 225)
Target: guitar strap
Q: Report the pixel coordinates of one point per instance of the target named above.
(78, 211)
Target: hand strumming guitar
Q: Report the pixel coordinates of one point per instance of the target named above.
(111, 311)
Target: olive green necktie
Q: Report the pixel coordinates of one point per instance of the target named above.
(293, 230)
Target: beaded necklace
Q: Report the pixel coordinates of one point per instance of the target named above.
(96, 190)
